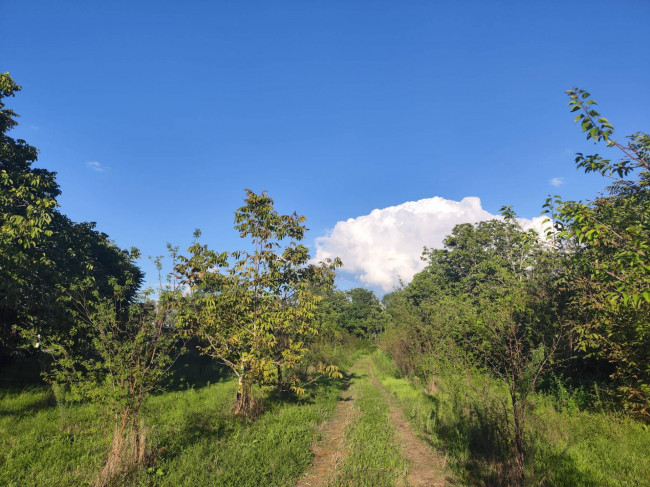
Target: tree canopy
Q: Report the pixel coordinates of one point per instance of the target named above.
(45, 258)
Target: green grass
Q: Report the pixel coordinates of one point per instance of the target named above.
(587, 448)
(373, 457)
(193, 435)
(195, 440)
(571, 447)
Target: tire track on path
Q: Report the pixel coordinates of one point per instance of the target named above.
(329, 452)
(426, 468)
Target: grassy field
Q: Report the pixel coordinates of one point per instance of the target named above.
(194, 438)
(571, 447)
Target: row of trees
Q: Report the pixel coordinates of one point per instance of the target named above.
(506, 301)
(592, 273)
(488, 299)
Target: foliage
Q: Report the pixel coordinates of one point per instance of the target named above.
(132, 348)
(356, 311)
(487, 299)
(363, 315)
(413, 338)
(483, 270)
(254, 311)
(85, 265)
(44, 256)
(27, 202)
(609, 240)
(28, 195)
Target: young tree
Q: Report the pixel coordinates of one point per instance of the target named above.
(520, 332)
(132, 347)
(254, 310)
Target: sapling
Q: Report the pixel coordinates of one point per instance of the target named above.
(131, 350)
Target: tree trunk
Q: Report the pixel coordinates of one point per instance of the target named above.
(139, 440)
(518, 471)
(128, 448)
(280, 385)
(245, 404)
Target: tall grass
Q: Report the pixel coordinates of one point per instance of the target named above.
(570, 447)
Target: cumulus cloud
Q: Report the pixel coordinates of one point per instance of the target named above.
(385, 246)
(97, 166)
(541, 224)
(557, 182)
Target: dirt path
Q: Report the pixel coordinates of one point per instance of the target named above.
(426, 467)
(329, 452)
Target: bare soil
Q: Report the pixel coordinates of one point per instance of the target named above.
(329, 452)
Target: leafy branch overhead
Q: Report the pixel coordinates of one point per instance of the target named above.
(609, 238)
(599, 129)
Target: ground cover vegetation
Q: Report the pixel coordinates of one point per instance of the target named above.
(573, 444)
(373, 456)
(520, 360)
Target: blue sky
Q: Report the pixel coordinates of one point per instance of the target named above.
(157, 115)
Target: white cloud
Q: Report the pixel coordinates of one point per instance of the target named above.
(385, 246)
(557, 182)
(541, 224)
(97, 166)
